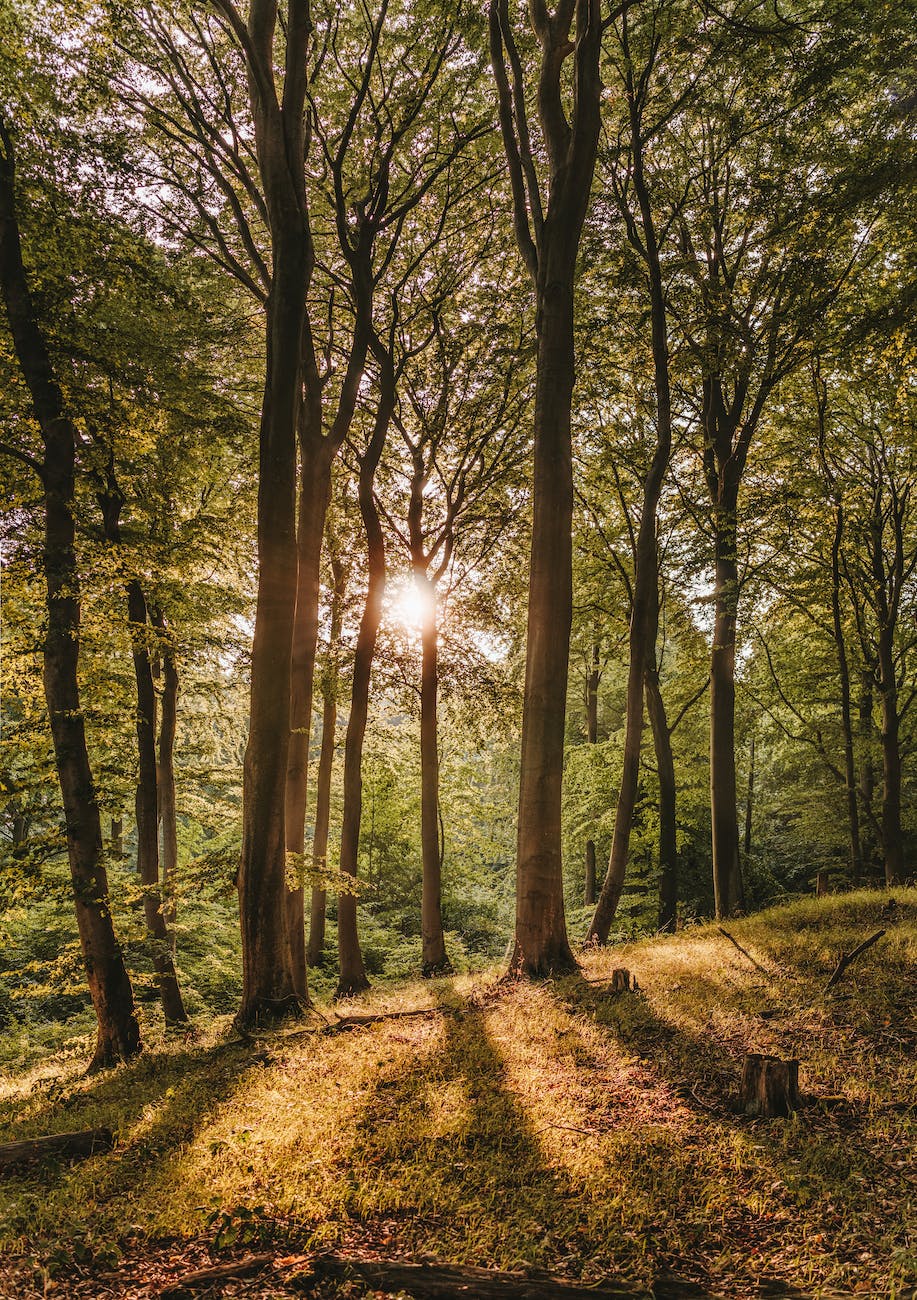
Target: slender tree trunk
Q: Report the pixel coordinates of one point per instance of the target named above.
(843, 668)
(326, 765)
(435, 961)
(314, 494)
(165, 773)
(592, 737)
(749, 802)
(644, 618)
(116, 839)
(352, 971)
(118, 1034)
(892, 834)
(665, 765)
(148, 811)
(727, 874)
(867, 778)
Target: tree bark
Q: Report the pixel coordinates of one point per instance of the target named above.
(549, 243)
(148, 811)
(314, 494)
(352, 977)
(435, 961)
(727, 874)
(118, 1034)
(867, 778)
(892, 832)
(592, 735)
(769, 1087)
(644, 617)
(843, 668)
(665, 766)
(749, 802)
(326, 764)
(270, 986)
(541, 944)
(165, 770)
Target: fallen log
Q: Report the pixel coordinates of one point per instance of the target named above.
(430, 1281)
(83, 1143)
(247, 1266)
(360, 1022)
(848, 958)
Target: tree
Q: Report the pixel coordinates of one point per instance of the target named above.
(118, 1034)
(548, 233)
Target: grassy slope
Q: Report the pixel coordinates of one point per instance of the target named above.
(551, 1125)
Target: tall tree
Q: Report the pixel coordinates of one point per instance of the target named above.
(548, 232)
(118, 1033)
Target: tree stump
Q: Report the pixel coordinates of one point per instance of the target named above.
(769, 1087)
(622, 981)
(822, 885)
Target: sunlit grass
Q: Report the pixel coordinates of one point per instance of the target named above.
(552, 1125)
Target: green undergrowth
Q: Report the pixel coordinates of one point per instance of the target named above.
(552, 1125)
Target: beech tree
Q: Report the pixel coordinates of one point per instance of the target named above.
(118, 1033)
(548, 214)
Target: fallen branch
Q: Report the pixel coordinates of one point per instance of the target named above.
(79, 1144)
(360, 1022)
(434, 1280)
(744, 952)
(848, 958)
(247, 1266)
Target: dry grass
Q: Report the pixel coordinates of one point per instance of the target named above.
(552, 1125)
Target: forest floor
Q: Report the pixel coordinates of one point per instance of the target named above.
(552, 1126)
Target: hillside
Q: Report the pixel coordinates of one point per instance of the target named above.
(555, 1126)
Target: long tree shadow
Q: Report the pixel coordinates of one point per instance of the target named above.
(820, 1166)
(446, 1159)
(156, 1105)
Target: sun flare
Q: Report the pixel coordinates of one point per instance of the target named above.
(411, 605)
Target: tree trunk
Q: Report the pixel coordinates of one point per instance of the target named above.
(867, 778)
(749, 802)
(270, 986)
(549, 244)
(116, 838)
(644, 617)
(892, 833)
(314, 494)
(727, 874)
(435, 961)
(541, 944)
(118, 1034)
(843, 668)
(592, 735)
(165, 772)
(665, 766)
(326, 765)
(148, 811)
(352, 971)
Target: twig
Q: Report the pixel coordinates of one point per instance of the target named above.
(847, 958)
(205, 1277)
(744, 953)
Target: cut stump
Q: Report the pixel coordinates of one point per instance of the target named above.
(769, 1087)
(622, 981)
